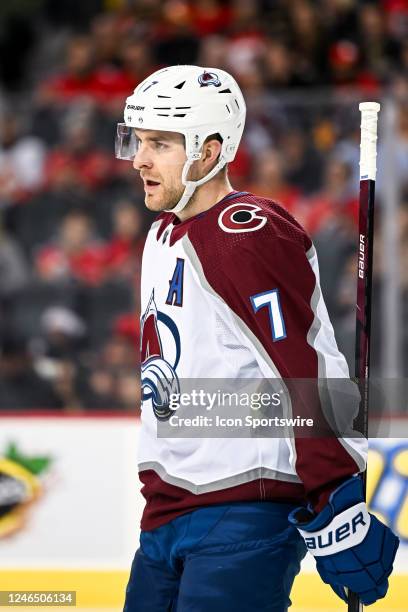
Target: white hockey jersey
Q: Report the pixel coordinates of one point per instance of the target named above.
(234, 293)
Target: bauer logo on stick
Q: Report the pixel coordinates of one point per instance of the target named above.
(361, 257)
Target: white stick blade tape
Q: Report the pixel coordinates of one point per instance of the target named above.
(368, 143)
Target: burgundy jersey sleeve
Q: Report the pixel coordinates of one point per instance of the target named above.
(268, 277)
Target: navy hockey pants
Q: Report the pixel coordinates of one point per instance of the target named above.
(240, 557)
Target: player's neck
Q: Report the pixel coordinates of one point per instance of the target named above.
(205, 197)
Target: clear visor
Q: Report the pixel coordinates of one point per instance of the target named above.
(126, 143)
(156, 144)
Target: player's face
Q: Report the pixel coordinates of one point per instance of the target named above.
(160, 159)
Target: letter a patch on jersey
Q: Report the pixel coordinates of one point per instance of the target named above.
(175, 294)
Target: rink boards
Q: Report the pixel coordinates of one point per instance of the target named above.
(79, 526)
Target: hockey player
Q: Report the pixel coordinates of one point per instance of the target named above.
(230, 289)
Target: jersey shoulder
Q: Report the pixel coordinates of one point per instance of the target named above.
(247, 222)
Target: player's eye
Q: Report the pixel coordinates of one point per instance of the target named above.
(160, 146)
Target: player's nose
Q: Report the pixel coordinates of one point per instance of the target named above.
(142, 159)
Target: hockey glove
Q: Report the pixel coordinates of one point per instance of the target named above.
(352, 548)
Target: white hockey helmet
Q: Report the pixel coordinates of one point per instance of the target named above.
(196, 102)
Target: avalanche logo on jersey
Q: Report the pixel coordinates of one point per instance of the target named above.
(159, 378)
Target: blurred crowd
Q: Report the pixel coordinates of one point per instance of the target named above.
(72, 218)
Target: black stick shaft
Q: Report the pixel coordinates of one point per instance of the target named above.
(363, 320)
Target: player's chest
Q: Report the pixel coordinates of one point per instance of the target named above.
(166, 270)
(177, 312)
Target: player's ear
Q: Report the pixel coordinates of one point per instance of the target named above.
(211, 150)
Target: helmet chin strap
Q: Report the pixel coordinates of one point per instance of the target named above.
(191, 186)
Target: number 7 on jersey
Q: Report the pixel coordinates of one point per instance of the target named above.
(271, 299)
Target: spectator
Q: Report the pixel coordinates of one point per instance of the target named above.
(77, 163)
(129, 391)
(378, 50)
(21, 161)
(399, 146)
(339, 18)
(14, 271)
(21, 387)
(107, 385)
(17, 40)
(82, 77)
(99, 393)
(210, 17)
(119, 353)
(344, 61)
(128, 326)
(65, 385)
(303, 163)
(63, 333)
(77, 79)
(174, 40)
(106, 35)
(396, 18)
(124, 251)
(76, 254)
(347, 150)
(336, 203)
(278, 65)
(309, 40)
(136, 62)
(269, 181)
(213, 51)
(245, 47)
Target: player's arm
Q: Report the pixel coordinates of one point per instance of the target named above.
(272, 285)
(269, 283)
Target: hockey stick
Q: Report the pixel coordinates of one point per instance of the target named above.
(368, 154)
